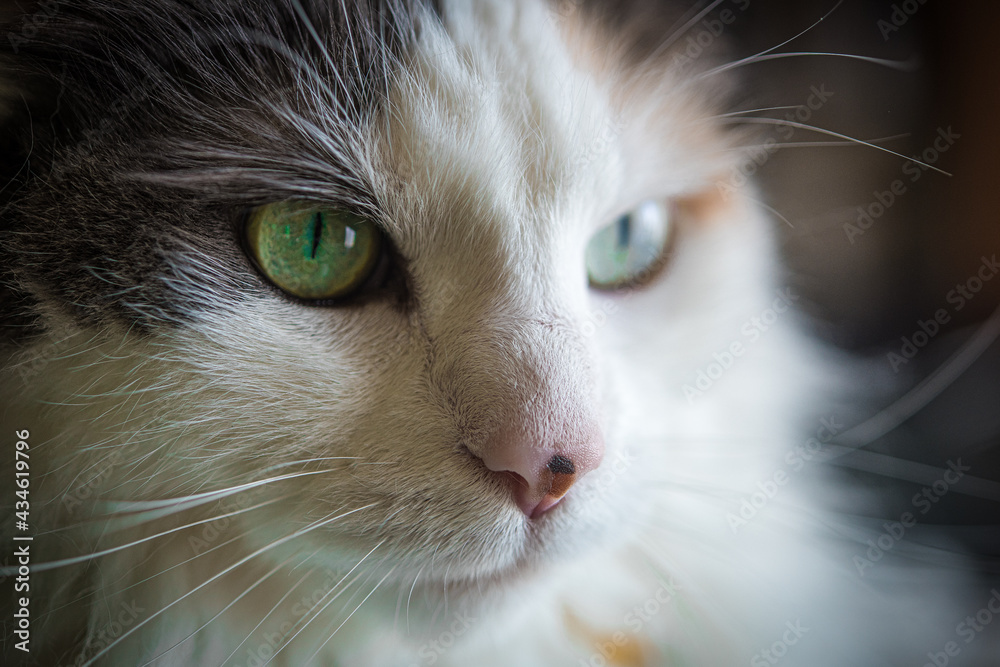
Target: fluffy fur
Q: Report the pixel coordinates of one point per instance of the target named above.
(223, 476)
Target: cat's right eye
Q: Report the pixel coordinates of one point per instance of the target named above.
(312, 252)
(632, 249)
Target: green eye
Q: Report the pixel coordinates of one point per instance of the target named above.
(631, 249)
(313, 252)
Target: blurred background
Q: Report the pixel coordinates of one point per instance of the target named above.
(881, 247)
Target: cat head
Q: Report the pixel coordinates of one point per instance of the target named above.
(552, 260)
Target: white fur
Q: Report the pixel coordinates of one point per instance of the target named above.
(501, 154)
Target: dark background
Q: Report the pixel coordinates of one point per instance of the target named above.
(866, 296)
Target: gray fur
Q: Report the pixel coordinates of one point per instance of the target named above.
(149, 127)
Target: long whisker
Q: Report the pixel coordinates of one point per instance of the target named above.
(312, 617)
(771, 209)
(408, 599)
(902, 65)
(813, 128)
(239, 597)
(911, 471)
(349, 616)
(315, 611)
(914, 400)
(277, 604)
(123, 507)
(152, 576)
(317, 524)
(677, 34)
(740, 112)
(51, 565)
(288, 464)
(743, 61)
(814, 144)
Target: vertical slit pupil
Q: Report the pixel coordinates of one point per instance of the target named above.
(624, 230)
(317, 231)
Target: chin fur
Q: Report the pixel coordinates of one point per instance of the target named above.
(263, 480)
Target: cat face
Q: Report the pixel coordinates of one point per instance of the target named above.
(484, 408)
(433, 406)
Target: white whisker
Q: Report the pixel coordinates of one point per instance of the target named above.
(410, 595)
(677, 34)
(339, 585)
(813, 128)
(310, 659)
(740, 63)
(186, 502)
(277, 604)
(903, 65)
(894, 467)
(815, 144)
(317, 524)
(930, 387)
(771, 209)
(236, 599)
(740, 112)
(231, 540)
(41, 567)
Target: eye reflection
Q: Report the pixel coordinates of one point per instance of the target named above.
(627, 251)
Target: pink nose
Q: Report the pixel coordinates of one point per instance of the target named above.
(543, 474)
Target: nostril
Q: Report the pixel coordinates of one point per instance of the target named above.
(516, 479)
(560, 465)
(563, 475)
(540, 471)
(547, 489)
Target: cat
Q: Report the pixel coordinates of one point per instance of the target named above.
(399, 332)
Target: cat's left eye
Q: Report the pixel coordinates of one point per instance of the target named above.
(630, 250)
(312, 252)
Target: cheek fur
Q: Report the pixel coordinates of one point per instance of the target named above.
(482, 461)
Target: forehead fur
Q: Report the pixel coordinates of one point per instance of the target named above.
(417, 115)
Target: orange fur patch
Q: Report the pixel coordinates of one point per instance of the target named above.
(621, 648)
(711, 205)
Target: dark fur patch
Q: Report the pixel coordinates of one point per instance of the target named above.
(137, 133)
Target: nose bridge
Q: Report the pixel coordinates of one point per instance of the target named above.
(526, 395)
(531, 368)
